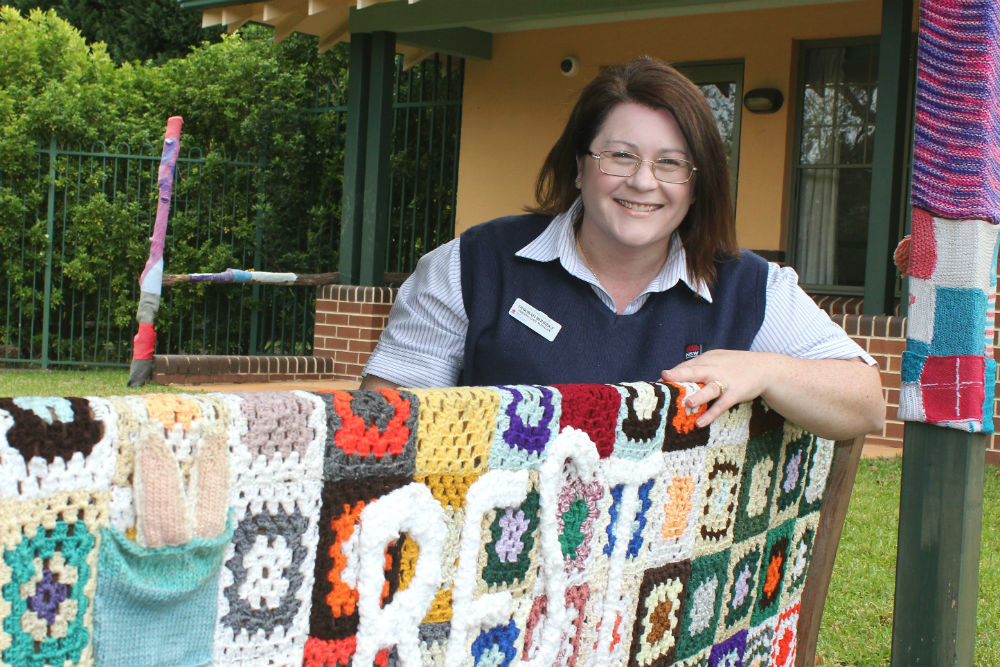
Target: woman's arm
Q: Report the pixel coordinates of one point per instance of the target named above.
(375, 382)
(423, 344)
(833, 398)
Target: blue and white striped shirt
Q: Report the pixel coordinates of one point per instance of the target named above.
(424, 343)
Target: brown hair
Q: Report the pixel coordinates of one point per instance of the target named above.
(708, 230)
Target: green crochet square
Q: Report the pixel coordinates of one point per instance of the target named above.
(760, 474)
(701, 605)
(773, 567)
(512, 547)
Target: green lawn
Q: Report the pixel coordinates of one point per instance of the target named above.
(100, 382)
(857, 620)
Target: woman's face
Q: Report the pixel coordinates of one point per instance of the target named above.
(638, 211)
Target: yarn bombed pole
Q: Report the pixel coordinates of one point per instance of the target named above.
(151, 280)
(948, 370)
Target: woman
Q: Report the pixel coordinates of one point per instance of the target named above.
(628, 269)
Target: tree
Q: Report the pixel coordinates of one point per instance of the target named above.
(133, 30)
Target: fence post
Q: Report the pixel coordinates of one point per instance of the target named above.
(49, 234)
(258, 243)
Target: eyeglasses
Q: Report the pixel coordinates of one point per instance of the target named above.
(666, 169)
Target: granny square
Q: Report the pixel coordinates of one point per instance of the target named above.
(759, 478)
(641, 419)
(742, 585)
(772, 571)
(372, 433)
(527, 421)
(658, 615)
(701, 606)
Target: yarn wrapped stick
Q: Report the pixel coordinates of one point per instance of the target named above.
(151, 280)
(244, 276)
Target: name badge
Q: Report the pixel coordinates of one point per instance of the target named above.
(534, 319)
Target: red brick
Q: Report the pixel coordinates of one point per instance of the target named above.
(894, 430)
(348, 307)
(890, 379)
(325, 330)
(345, 357)
(326, 306)
(348, 333)
(366, 321)
(892, 397)
(882, 361)
(886, 346)
(361, 345)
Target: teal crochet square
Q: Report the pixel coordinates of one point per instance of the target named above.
(959, 322)
(989, 384)
(157, 607)
(49, 573)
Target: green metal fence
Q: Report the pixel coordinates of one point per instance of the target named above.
(74, 235)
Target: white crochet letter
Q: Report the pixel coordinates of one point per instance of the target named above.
(571, 447)
(414, 511)
(496, 488)
(631, 474)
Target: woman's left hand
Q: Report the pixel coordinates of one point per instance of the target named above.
(729, 376)
(832, 398)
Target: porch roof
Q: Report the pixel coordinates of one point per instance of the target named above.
(455, 27)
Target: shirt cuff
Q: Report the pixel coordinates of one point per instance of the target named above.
(411, 369)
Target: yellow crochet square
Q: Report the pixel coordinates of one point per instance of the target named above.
(455, 429)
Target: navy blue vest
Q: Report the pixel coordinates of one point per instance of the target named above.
(595, 344)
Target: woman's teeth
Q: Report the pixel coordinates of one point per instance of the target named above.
(638, 207)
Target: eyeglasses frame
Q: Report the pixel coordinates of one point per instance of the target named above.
(638, 166)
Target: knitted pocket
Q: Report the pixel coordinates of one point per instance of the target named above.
(157, 607)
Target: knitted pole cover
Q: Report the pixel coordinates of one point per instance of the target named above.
(568, 525)
(948, 370)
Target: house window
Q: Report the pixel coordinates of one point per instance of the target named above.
(838, 91)
(722, 84)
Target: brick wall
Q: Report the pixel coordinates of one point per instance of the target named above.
(349, 320)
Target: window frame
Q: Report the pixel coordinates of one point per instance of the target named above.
(791, 244)
(703, 72)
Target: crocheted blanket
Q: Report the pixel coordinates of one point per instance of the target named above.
(410, 527)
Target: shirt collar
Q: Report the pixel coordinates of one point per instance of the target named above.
(558, 241)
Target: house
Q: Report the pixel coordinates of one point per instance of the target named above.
(813, 98)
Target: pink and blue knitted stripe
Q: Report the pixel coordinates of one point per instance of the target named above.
(956, 161)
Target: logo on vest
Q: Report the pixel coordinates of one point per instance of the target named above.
(691, 351)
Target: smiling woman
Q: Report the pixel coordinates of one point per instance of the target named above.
(627, 269)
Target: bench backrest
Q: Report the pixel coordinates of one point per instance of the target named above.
(413, 527)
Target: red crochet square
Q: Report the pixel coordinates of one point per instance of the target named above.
(952, 388)
(592, 408)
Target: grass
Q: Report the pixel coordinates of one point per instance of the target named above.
(100, 382)
(857, 620)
